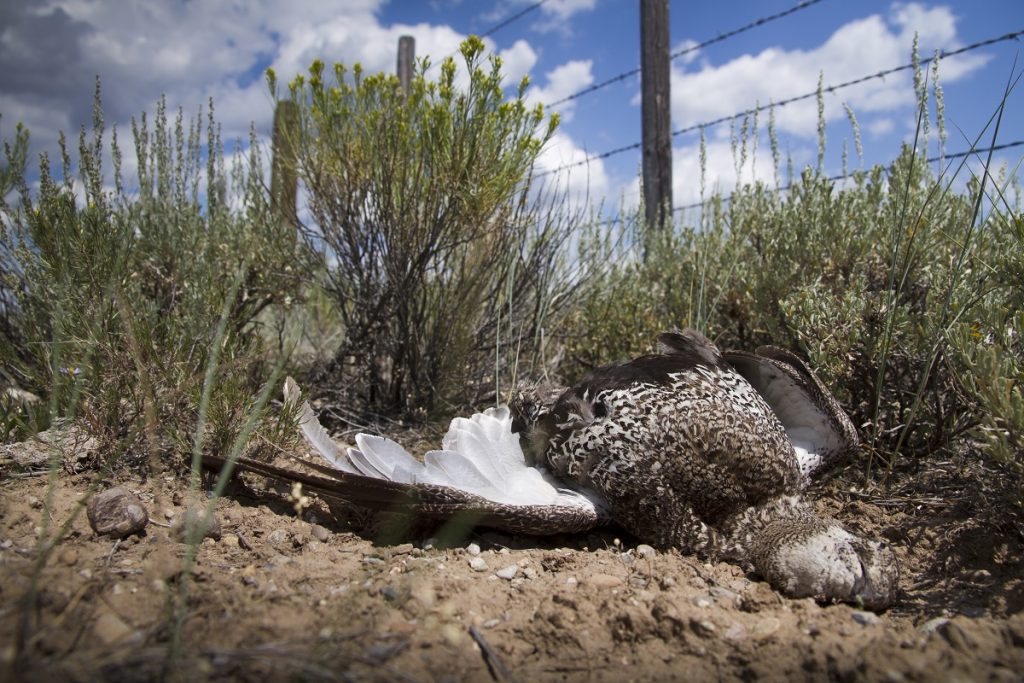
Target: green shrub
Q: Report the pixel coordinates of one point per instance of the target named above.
(868, 282)
(425, 221)
(112, 293)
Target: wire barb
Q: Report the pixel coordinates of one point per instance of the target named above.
(693, 48)
(1014, 35)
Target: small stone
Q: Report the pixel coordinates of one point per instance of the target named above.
(298, 540)
(229, 540)
(865, 618)
(571, 581)
(723, 594)
(116, 512)
(390, 593)
(370, 559)
(530, 572)
(508, 573)
(430, 543)
(277, 537)
(491, 623)
(704, 628)
(112, 630)
(702, 601)
(478, 564)
(604, 581)
(736, 633)
(666, 582)
(765, 628)
(189, 521)
(69, 557)
(320, 533)
(403, 549)
(473, 549)
(932, 625)
(645, 551)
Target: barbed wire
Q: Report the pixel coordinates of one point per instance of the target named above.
(693, 48)
(515, 17)
(797, 98)
(844, 176)
(497, 27)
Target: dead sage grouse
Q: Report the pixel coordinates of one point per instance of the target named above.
(688, 448)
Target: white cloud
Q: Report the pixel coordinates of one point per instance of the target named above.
(51, 51)
(720, 173)
(563, 81)
(557, 14)
(880, 127)
(564, 9)
(517, 61)
(689, 56)
(858, 48)
(585, 184)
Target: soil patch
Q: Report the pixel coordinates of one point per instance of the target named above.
(333, 595)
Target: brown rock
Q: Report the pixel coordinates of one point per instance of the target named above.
(115, 512)
(192, 517)
(604, 581)
(112, 630)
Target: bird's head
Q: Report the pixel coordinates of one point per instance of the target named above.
(812, 557)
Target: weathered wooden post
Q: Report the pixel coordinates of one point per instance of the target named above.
(284, 179)
(406, 56)
(656, 112)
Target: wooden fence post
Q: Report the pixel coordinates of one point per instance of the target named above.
(406, 56)
(656, 113)
(284, 180)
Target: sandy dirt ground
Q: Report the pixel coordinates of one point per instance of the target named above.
(332, 596)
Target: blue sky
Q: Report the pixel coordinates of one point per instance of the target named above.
(51, 50)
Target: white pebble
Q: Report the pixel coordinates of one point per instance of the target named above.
(508, 573)
(478, 564)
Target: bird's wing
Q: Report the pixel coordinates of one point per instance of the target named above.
(818, 427)
(315, 435)
(480, 475)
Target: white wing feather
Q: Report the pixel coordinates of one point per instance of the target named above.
(480, 455)
(315, 435)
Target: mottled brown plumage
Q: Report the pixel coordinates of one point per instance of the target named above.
(685, 448)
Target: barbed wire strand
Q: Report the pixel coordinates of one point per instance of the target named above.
(790, 100)
(841, 176)
(515, 17)
(497, 27)
(693, 48)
